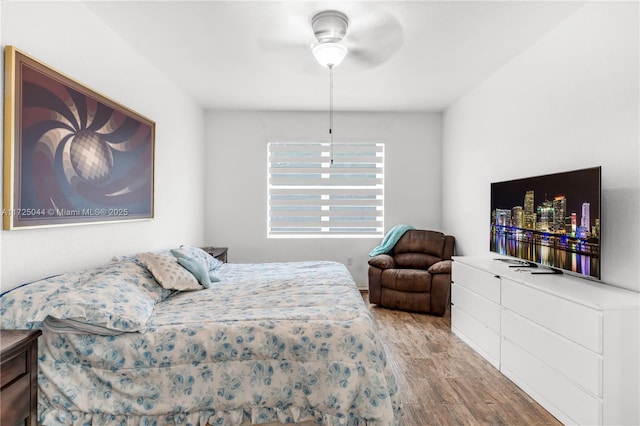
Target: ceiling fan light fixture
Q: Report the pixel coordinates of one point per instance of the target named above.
(329, 54)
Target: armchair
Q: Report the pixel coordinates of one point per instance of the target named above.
(415, 275)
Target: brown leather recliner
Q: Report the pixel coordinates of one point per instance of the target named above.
(415, 275)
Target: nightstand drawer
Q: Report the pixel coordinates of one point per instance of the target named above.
(16, 406)
(13, 368)
(19, 377)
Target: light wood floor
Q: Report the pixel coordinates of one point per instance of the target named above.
(443, 381)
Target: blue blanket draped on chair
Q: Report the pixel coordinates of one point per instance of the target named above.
(390, 239)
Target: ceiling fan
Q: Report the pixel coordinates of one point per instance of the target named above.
(371, 35)
(370, 40)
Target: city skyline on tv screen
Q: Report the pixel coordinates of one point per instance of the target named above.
(553, 220)
(577, 187)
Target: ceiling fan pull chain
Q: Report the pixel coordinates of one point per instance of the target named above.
(331, 111)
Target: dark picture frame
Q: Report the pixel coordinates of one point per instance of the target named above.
(71, 155)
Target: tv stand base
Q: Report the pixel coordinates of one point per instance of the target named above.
(518, 263)
(548, 271)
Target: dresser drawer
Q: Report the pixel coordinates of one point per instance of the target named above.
(484, 310)
(580, 365)
(477, 335)
(577, 323)
(13, 368)
(553, 391)
(483, 283)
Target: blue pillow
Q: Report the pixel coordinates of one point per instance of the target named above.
(196, 266)
(197, 270)
(210, 262)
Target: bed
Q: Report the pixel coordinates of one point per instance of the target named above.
(276, 342)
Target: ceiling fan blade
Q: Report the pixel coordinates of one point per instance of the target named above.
(374, 54)
(287, 23)
(273, 44)
(285, 34)
(365, 58)
(291, 56)
(374, 38)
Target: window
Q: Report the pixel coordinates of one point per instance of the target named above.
(310, 197)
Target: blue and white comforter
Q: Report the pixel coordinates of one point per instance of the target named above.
(286, 342)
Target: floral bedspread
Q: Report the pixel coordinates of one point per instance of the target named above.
(286, 342)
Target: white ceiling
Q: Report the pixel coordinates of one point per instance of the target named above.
(256, 54)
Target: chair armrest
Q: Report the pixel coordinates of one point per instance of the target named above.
(442, 267)
(383, 261)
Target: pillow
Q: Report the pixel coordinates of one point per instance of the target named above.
(196, 264)
(168, 272)
(121, 307)
(25, 307)
(100, 297)
(197, 269)
(210, 262)
(131, 270)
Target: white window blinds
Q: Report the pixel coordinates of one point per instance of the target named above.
(310, 197)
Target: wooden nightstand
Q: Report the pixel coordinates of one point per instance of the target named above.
(219, 253)
(19, 377)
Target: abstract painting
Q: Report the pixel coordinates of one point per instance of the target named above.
(71, 155)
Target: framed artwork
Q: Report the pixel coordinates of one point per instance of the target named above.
(71, 155)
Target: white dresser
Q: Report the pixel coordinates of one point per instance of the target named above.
(570, 343)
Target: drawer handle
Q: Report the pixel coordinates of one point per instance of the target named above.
(496, 276)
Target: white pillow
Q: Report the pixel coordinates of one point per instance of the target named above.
(168, 272)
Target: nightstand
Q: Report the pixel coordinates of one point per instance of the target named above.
(19, 377)
(219, 253)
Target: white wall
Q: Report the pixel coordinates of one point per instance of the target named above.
(236, 192)
(570, 101)
(70, 38)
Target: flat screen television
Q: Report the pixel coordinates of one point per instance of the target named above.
(551, 221)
